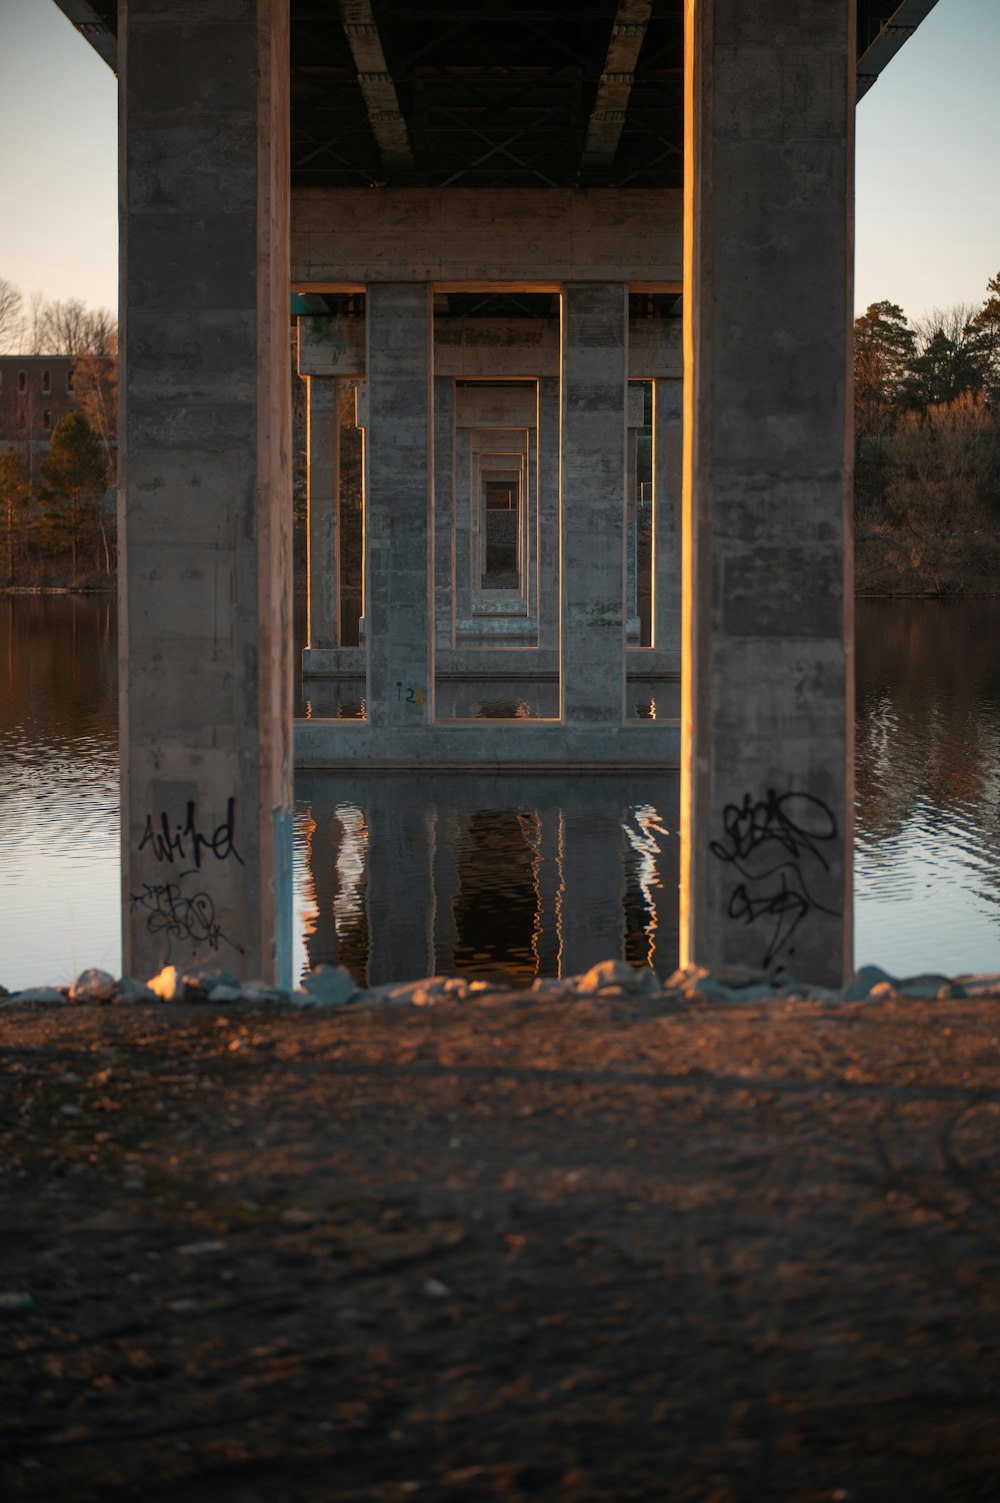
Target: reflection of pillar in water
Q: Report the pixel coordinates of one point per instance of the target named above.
(656, 865)
(593, 873)
(324, 850)
(548, 887)
(444, 874)
(400, 900)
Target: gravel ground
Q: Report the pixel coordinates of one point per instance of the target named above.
(504, 1249)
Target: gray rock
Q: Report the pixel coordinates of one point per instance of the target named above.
(202, 980)
(129, 990)
(261, 992)
(49, 996)
(864, 982)
(698, 981)
(618, 975)
(930, 987)
(331, 986)
(93, 985)
(222, 993)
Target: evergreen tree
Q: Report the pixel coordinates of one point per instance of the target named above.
(15, 500)
(74, 476)
(946, 369)
(988, 320)
(884, 345)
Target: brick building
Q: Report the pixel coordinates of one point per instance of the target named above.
(36, 391)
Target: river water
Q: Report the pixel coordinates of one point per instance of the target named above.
(509, 877)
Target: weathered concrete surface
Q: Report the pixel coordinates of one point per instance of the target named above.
(205, 568)
(592, 502)
(350, 237)
(767, 798)
(667, 510)
(551, 744)
(521, 1248)
(323, 500)
(399, 500)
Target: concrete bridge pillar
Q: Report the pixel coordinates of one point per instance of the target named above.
(766, 733)
(548, 512)
(323, 499)
(398, 614)
(667, 449)
(592, 501)
(444, 510)
(205, 524)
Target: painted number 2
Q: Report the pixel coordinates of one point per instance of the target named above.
(411, 695)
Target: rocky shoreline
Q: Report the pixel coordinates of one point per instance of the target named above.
(333, 986)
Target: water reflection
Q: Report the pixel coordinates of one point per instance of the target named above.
(928, 784)
(499, 878)
(58, 787)
(507, 876)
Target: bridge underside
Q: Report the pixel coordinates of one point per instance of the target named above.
(575, 282)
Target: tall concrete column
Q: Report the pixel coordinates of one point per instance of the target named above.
(463, 526)
(323, 496)
(766, 735)
(444, 508)
(592, 501)
(398, 616)
(667, 470)
(205, 501)
(547, 449)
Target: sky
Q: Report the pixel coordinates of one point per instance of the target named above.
(928, 187)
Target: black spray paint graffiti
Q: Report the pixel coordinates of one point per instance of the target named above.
(179, 916)
(767, 842)
(186, 842)
(172, 911)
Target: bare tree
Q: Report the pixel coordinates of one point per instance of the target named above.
(10, 314)
(33, 324)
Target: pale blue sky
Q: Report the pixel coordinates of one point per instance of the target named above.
(928, 223)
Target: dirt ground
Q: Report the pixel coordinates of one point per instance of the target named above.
(503, 1250)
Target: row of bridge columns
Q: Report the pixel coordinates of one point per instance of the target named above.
(763, 742)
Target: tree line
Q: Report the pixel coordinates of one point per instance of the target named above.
(927, 449)
(53, 513)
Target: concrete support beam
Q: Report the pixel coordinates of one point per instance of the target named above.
(323, 501)
(377, 88)
(482, 236)
(487, 349)
(205, 518)
(398, 620)
(607, 118)
(766, 736)
(667, 473)
(592, 502)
